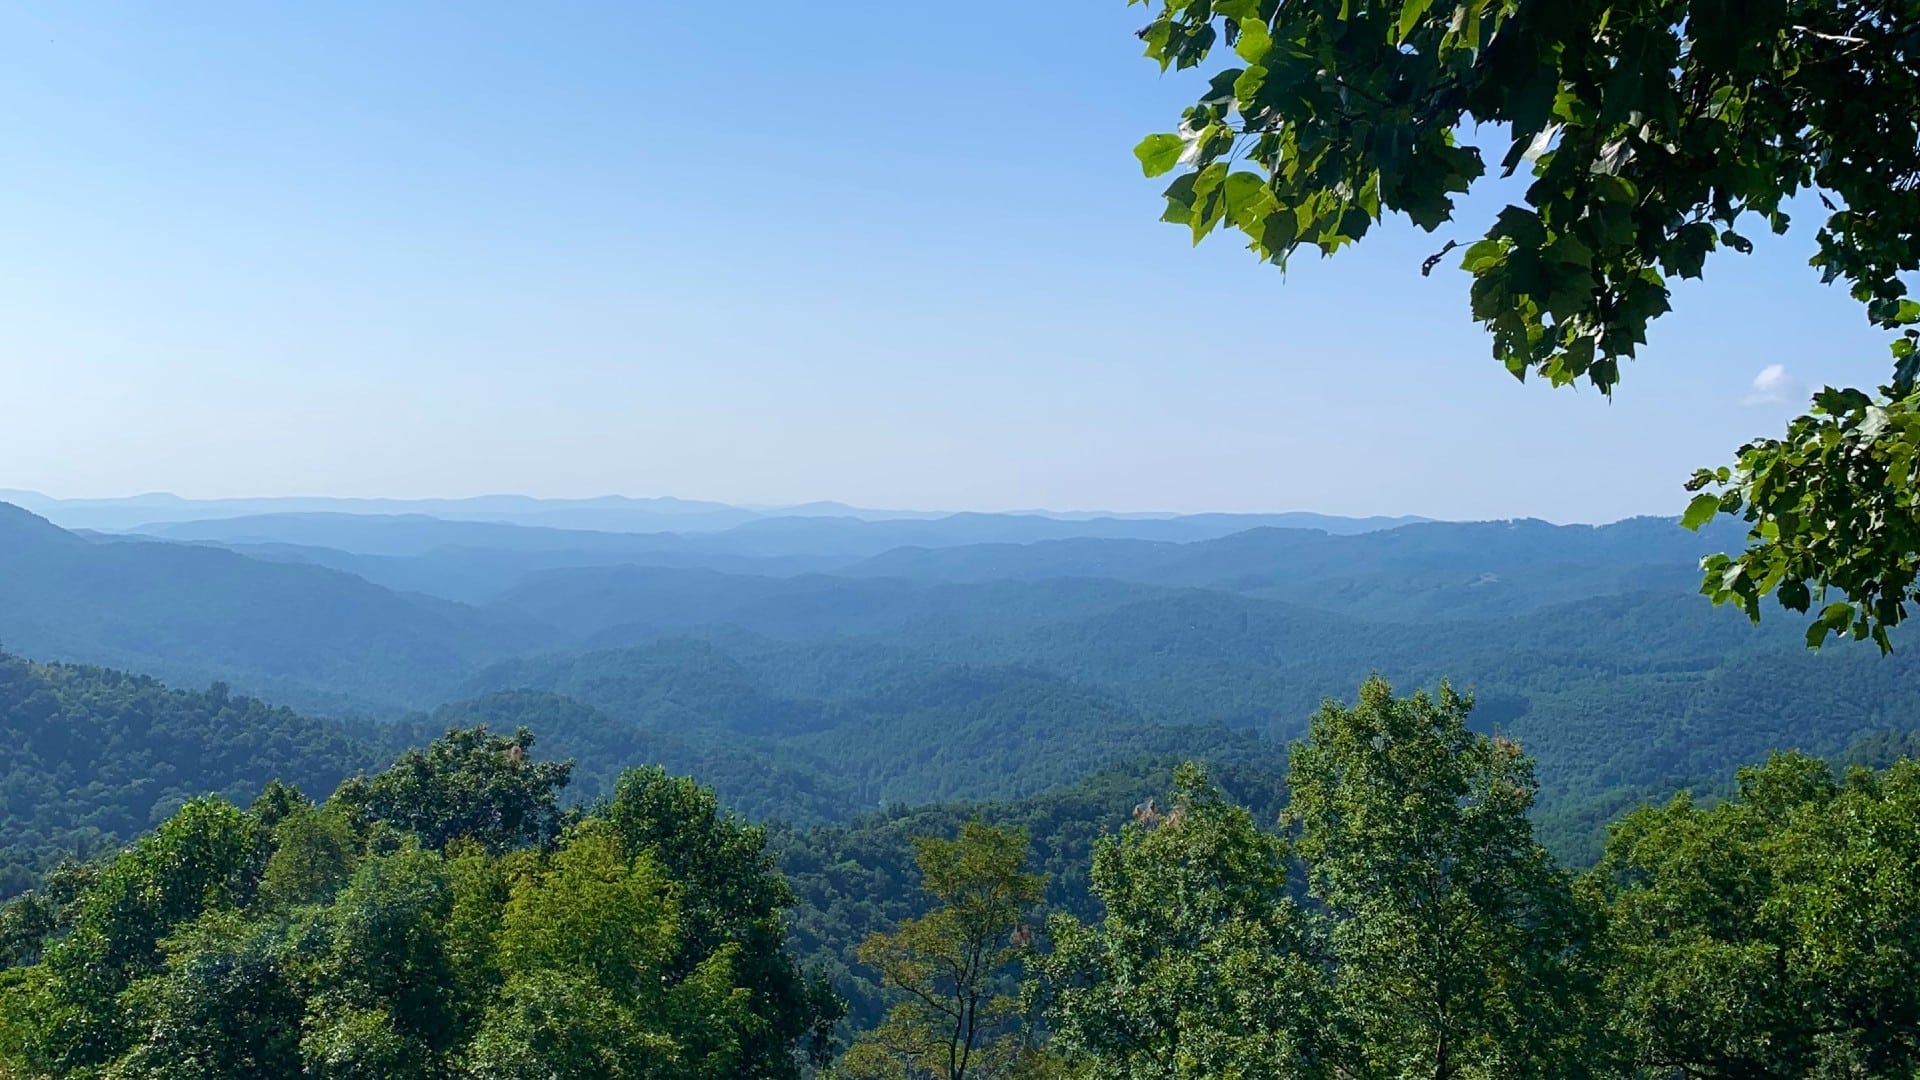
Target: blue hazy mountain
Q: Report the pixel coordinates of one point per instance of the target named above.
(300, 634)
(612, 512)
(894, 676)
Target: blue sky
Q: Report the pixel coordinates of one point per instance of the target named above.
(896, 255)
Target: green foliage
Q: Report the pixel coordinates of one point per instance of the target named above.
(223, 1006)
(1439, 940)
(857, 879)
(949, 1020)
(733, 901)
(1775, 934)
(1202, 963)
(1458, 946)
(1653, 131)
(1833, 519)
(380, 949)
(29, 921)
(585, 946)
(467, 785)
(96, 757)
(206, 857)
(313, 855)
(1404, 923)
(357, 1044)
(332, 942)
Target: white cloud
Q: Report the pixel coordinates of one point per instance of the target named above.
(1773, 386)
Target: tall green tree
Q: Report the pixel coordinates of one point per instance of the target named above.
(224, 1007)
(314, 852)
(382, 991)
(336, 943)
(954, 1018)
(205, 858)
(468, 784)
(1203, 964)
(1653, 132)
(1458, 947)
(1774, 934)
(732, 899)
(585, 944)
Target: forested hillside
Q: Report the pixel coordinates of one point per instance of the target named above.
(95, 757)
(449, 916)
(857, 879)
(979, 671)
(444, 917)
(301, 634)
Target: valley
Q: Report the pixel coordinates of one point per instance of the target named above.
(812, 674)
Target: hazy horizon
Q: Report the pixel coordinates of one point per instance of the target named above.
(823, 507)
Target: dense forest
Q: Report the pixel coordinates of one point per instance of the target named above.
(95, 757)
(1384, 901)
(923, 674)
(444, 917)
(1109, 770)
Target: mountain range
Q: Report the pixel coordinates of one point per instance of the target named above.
(614, 513)
(809, 670)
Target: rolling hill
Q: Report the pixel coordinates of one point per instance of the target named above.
(991, 670)
(305, 635)
(96, 756)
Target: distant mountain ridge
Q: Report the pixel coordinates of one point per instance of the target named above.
(990, 668)
(607, 513)
(304, 635)
(615, 512)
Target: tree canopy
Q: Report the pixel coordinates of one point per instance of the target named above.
(451, 924)
(1396, 919)
(1774, 934)
(1653, 132)
(952, 1018)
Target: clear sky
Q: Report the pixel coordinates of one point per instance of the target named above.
(896, 255)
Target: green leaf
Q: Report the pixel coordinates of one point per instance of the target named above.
(1255, 41)
(1220, 88)
(1410, 15)
(1483, 255)
(1247, 86)
(1210, 204)
(1158, 154)
(1248, 199)
(1180, 198)
(1700, 511)
(1279, 231)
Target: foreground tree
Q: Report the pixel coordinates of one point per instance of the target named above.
(585, 947)
(470, 785)
(1203, 965)
(732, 898)
(1437, 940)
(954, 1019)
(64, 1015)
(1457, 946)
(1653, 130)
(1775, 934)
(448, 936)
